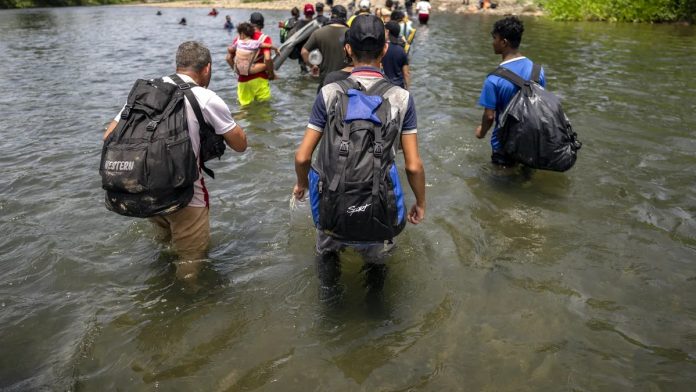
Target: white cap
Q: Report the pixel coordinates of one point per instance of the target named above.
(364, 4)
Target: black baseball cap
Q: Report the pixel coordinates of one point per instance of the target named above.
(256, 19)
(366, 33)
(339, 12)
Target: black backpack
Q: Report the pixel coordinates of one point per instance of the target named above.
(355, 192)
(534, 130)
(148, 166)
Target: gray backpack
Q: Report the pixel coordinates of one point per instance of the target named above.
(355, 192)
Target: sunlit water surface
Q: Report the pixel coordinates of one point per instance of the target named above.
(582, 281)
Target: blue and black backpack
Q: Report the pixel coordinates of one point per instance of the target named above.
(354, 188)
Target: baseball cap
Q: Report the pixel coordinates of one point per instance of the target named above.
(393, 28)
(308, 9)
(256, 19)
(339, 12)
(319, 6)
(366, 33)
(364, 4)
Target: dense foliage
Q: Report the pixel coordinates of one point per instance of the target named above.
(622, 10)
(56, 3)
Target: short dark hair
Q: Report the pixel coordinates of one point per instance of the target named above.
(364, 56)
(246, 29)
(509, 28)
(192, 55)
(295, 11)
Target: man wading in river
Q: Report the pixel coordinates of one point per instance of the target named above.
(354, 188)
(189, 228)
(497, 92)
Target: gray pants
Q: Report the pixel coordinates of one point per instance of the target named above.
(372, 252)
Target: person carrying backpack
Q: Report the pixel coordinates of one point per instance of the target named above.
(288, 25)
(530, 125)
(497, 92)
(154, 153)
(354, 188)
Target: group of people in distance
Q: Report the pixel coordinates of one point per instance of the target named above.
(367, 43)
(329, 41)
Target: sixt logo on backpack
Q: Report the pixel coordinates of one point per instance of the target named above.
(119, 165)
(353, 209)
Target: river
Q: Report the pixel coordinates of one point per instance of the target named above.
(576, 281)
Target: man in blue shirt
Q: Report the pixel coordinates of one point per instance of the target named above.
(497, 92)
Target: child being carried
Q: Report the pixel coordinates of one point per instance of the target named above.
(247, 50)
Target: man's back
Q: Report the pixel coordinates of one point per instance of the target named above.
(497, 92)
(393, 63)
(329, 41)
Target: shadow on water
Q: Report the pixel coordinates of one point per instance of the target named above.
(35, 20)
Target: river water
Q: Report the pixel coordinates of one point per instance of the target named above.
(582, 281)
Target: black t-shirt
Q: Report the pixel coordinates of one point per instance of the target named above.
(334, 76)
(393, 63)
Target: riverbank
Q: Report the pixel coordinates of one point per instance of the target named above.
(504, 7)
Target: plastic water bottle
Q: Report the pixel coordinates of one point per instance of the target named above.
(315, 57)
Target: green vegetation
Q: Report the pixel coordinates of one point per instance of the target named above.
(56, 3)
(622, 10)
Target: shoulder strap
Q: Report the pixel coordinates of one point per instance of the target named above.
(536, 73)
(186, 88)
(509, 75)
(343, 148)
(380, 88)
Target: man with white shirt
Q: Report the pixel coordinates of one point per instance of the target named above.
(497, 92)
(189, 228)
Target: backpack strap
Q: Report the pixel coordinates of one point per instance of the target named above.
(536, 73)
(186, 88)
(379, 88)
(343, 148)
(510, 76)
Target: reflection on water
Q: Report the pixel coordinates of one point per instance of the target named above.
(579, 281)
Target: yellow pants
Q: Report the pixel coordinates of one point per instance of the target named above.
(254, 90)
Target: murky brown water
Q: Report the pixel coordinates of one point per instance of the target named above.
(583, 281)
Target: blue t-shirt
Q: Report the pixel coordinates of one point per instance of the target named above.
(393, 63)
(497, 92)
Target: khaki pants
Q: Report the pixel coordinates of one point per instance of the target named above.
(188, 229)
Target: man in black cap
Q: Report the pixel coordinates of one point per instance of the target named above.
(395, 62)
(348, 219)
(254, 87)
(321, 18)
(329, 40)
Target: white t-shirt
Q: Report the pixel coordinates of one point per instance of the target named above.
(216, 114)
(423, 7)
